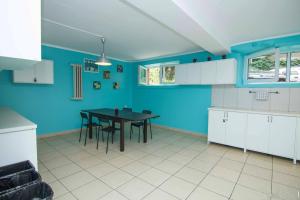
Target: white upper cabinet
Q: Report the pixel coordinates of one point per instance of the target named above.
(206, 73)
(20, 33)
(180, 74)
(40, 73)
(298, 139)
(226, 71)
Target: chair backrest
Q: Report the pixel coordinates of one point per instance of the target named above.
(103, 120)
(127, 109)
(147, 112)
(84, 115)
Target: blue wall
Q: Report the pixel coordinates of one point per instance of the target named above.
(50, 106)
(182, 107)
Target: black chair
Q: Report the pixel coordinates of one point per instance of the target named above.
(85, 123)
(101, 126)
(109, 130)
(127, 109)
(141, 124)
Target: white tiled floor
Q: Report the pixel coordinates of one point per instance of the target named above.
(171, 166)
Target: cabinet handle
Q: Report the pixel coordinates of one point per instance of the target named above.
(268, 119)
(271, 119)
(34, 80)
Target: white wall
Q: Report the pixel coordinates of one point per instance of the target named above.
(288, 99)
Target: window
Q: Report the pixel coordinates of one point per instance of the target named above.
(295, 67)
(273, 66)
(157, 74)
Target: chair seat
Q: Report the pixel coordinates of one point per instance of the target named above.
(137, 124)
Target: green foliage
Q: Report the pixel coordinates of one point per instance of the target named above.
(262, 63)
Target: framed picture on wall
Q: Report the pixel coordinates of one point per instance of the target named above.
(116, 85)
(90, 66)
(120, 68)
(97, 85)
(106, 74)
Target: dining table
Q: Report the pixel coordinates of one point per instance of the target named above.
(121, 117)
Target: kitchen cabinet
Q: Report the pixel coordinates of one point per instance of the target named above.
(257, 138)
(267, 132)
(20, 33)
(208, 73)
(216, 127)
(226, 71)
(40, 73)
(194, 73)
(227, 128)
(180, 74)
(17, 138)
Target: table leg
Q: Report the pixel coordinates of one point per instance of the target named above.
(90, 126)
(122, 136)
(113, 125)
(145, 130)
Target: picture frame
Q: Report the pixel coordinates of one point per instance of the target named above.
(90, 66)
(116, 85)
(97, 85)
(106, 74)
(120, 68)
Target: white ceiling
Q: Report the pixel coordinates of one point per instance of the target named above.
(134, 31)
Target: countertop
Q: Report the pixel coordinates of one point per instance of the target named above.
(291, 114)
(10, 121)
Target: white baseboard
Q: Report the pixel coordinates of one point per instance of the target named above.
(194, 134)
(59, 133)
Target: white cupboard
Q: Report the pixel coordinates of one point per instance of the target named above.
(282, 136)
(267, 132)
(40, 73)
(257, 138)
(206, 73)
(20, 33)
(222, 128)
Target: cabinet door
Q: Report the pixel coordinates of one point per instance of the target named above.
(44, 72)
(282, 136)
(257, 138)
(194, 73)
(235, 129)
(216, 126)
(24, 75)
(298, 139)
(226, 71)
(180, 74)
(208, 72)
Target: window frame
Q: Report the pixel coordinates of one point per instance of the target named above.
(161, 66)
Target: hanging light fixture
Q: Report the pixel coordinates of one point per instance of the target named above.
(103, 61)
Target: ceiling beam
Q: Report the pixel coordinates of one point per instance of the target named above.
(176, 18)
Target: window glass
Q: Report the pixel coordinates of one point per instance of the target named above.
(295, 67)
(154, 75)
(168, 74)
(261, 67)
(142, 75)
(283, 57)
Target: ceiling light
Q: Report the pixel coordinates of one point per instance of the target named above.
(103, 61)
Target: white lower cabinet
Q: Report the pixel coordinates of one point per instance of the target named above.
(282, 136)
(216, 127)
(257, 137)
(223, 128)
(266, 132)
(236, 124)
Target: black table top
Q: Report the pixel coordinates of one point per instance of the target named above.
(125, 115)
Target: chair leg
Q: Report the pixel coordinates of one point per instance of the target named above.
(107, 142)
(150, 129)
(97, 135)
(130, 132)
(86, 132)
(80, 132)
(102, 136)
(112, 137)
(139, 134)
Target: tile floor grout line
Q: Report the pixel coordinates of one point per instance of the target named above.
(207, 174)
(239, 176)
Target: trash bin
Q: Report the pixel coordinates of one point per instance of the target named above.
(20, 179)
(35, 191)
(16, 168)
